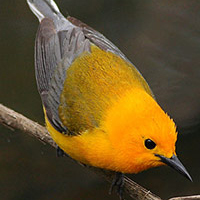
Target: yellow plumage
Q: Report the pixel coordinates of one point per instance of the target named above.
(117, 143)
(93, 83)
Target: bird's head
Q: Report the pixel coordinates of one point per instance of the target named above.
(142, 134)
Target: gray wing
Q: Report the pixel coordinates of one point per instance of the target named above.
(54, 53)
(97, 38)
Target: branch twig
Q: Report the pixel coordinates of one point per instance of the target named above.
(194, 197)
(14, 120)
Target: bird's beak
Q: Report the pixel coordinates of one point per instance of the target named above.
(176, 164)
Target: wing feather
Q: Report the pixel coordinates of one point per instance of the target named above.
(97, 38)
(54, 53)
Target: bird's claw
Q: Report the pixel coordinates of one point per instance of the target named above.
(60, 152)
(118, 182)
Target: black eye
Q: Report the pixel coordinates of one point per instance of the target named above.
(149, 144)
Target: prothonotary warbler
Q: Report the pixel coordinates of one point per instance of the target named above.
(98, 108)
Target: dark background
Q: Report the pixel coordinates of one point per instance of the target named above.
(162, 38)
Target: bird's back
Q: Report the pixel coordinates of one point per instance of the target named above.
(79, 72)
(93, 83)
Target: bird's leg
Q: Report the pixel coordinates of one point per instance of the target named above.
(118, 182)
(60, 152)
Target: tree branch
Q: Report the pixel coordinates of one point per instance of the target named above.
(194, 197)
(14, 120)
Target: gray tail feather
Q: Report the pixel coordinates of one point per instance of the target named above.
(45, 8)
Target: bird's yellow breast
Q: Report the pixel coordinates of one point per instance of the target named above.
(102, 92)
(118, 143)
(93, 83)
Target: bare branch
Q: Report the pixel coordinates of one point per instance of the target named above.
(194, 197)
(14, 120)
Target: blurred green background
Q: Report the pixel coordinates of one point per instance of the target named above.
(162, 38)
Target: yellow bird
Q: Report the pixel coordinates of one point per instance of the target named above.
(98, 108)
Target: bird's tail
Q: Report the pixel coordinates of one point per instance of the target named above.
(45, 8)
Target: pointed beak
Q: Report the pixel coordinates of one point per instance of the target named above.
(176, 164)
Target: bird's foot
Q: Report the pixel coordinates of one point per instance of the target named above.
(118, 182)
(60, 152)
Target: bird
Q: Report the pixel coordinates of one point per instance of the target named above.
(98, 107)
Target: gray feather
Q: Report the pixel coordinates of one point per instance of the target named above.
(54, 53)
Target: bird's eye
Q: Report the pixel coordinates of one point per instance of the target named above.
(149, 144)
